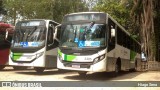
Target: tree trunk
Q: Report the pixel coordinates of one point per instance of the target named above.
(142, 13)
(147, 27)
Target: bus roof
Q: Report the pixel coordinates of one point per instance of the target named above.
(100, 13)
(41, 19)
(84, 13)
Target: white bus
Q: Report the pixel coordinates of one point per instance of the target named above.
(33, 44)
(95, 42)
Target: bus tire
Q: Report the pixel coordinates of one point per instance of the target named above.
(39, 69)
(82, 73)
(135, 68)
(117, 67)
(2, 67)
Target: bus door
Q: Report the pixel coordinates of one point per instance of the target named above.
(111, 35)
(51, 47)
(111, 45)
(57, 33)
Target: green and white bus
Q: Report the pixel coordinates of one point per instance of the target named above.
(95, 42)
(33, 44)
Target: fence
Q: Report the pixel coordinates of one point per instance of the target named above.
(150, 65)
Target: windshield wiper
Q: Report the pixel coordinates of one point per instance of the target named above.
(35, 27)
(88, 29)
(31, 32)
(74, 30)
(90, 26)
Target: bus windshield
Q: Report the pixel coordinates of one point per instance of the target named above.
(87, 35)
(29, 36)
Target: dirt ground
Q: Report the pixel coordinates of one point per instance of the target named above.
(8, 74)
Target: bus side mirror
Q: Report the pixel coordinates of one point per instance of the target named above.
(112, 39)
(112, 32)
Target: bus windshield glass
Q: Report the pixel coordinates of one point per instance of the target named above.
(29, 34)
(87, 35)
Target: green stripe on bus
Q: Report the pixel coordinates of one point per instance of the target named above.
(132, 55)
(17, 53)
(16, 56)
(59, 52)
(65, 57)
(69, 57)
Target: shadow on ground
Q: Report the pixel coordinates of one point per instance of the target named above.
(103, 76)
(46, 72)
(31, 71)
(10, 68)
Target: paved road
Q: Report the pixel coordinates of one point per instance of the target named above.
(8, 74)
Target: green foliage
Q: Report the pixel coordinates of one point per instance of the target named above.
(119, 10)
(2, 10)
(62, 7)
(41, 9)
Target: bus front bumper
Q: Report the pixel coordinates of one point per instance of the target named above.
(97, 67)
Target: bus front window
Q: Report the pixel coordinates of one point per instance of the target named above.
(29, 37)
(83, 35)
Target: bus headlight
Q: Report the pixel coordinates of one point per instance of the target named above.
(97, 59)
(39, 54)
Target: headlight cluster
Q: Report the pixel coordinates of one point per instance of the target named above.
(97, 59)
(39, 54)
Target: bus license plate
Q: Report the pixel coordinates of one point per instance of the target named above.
(76, 66)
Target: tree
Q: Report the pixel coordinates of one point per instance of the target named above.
(143, 16)
(2, 10)
(12, 7)
(41, 9)
(61, 8)
(119, 10)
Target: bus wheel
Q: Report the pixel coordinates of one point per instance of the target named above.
(39, 69)
(117, 68)
(82, 73)
(2, 67)
(135, 68)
